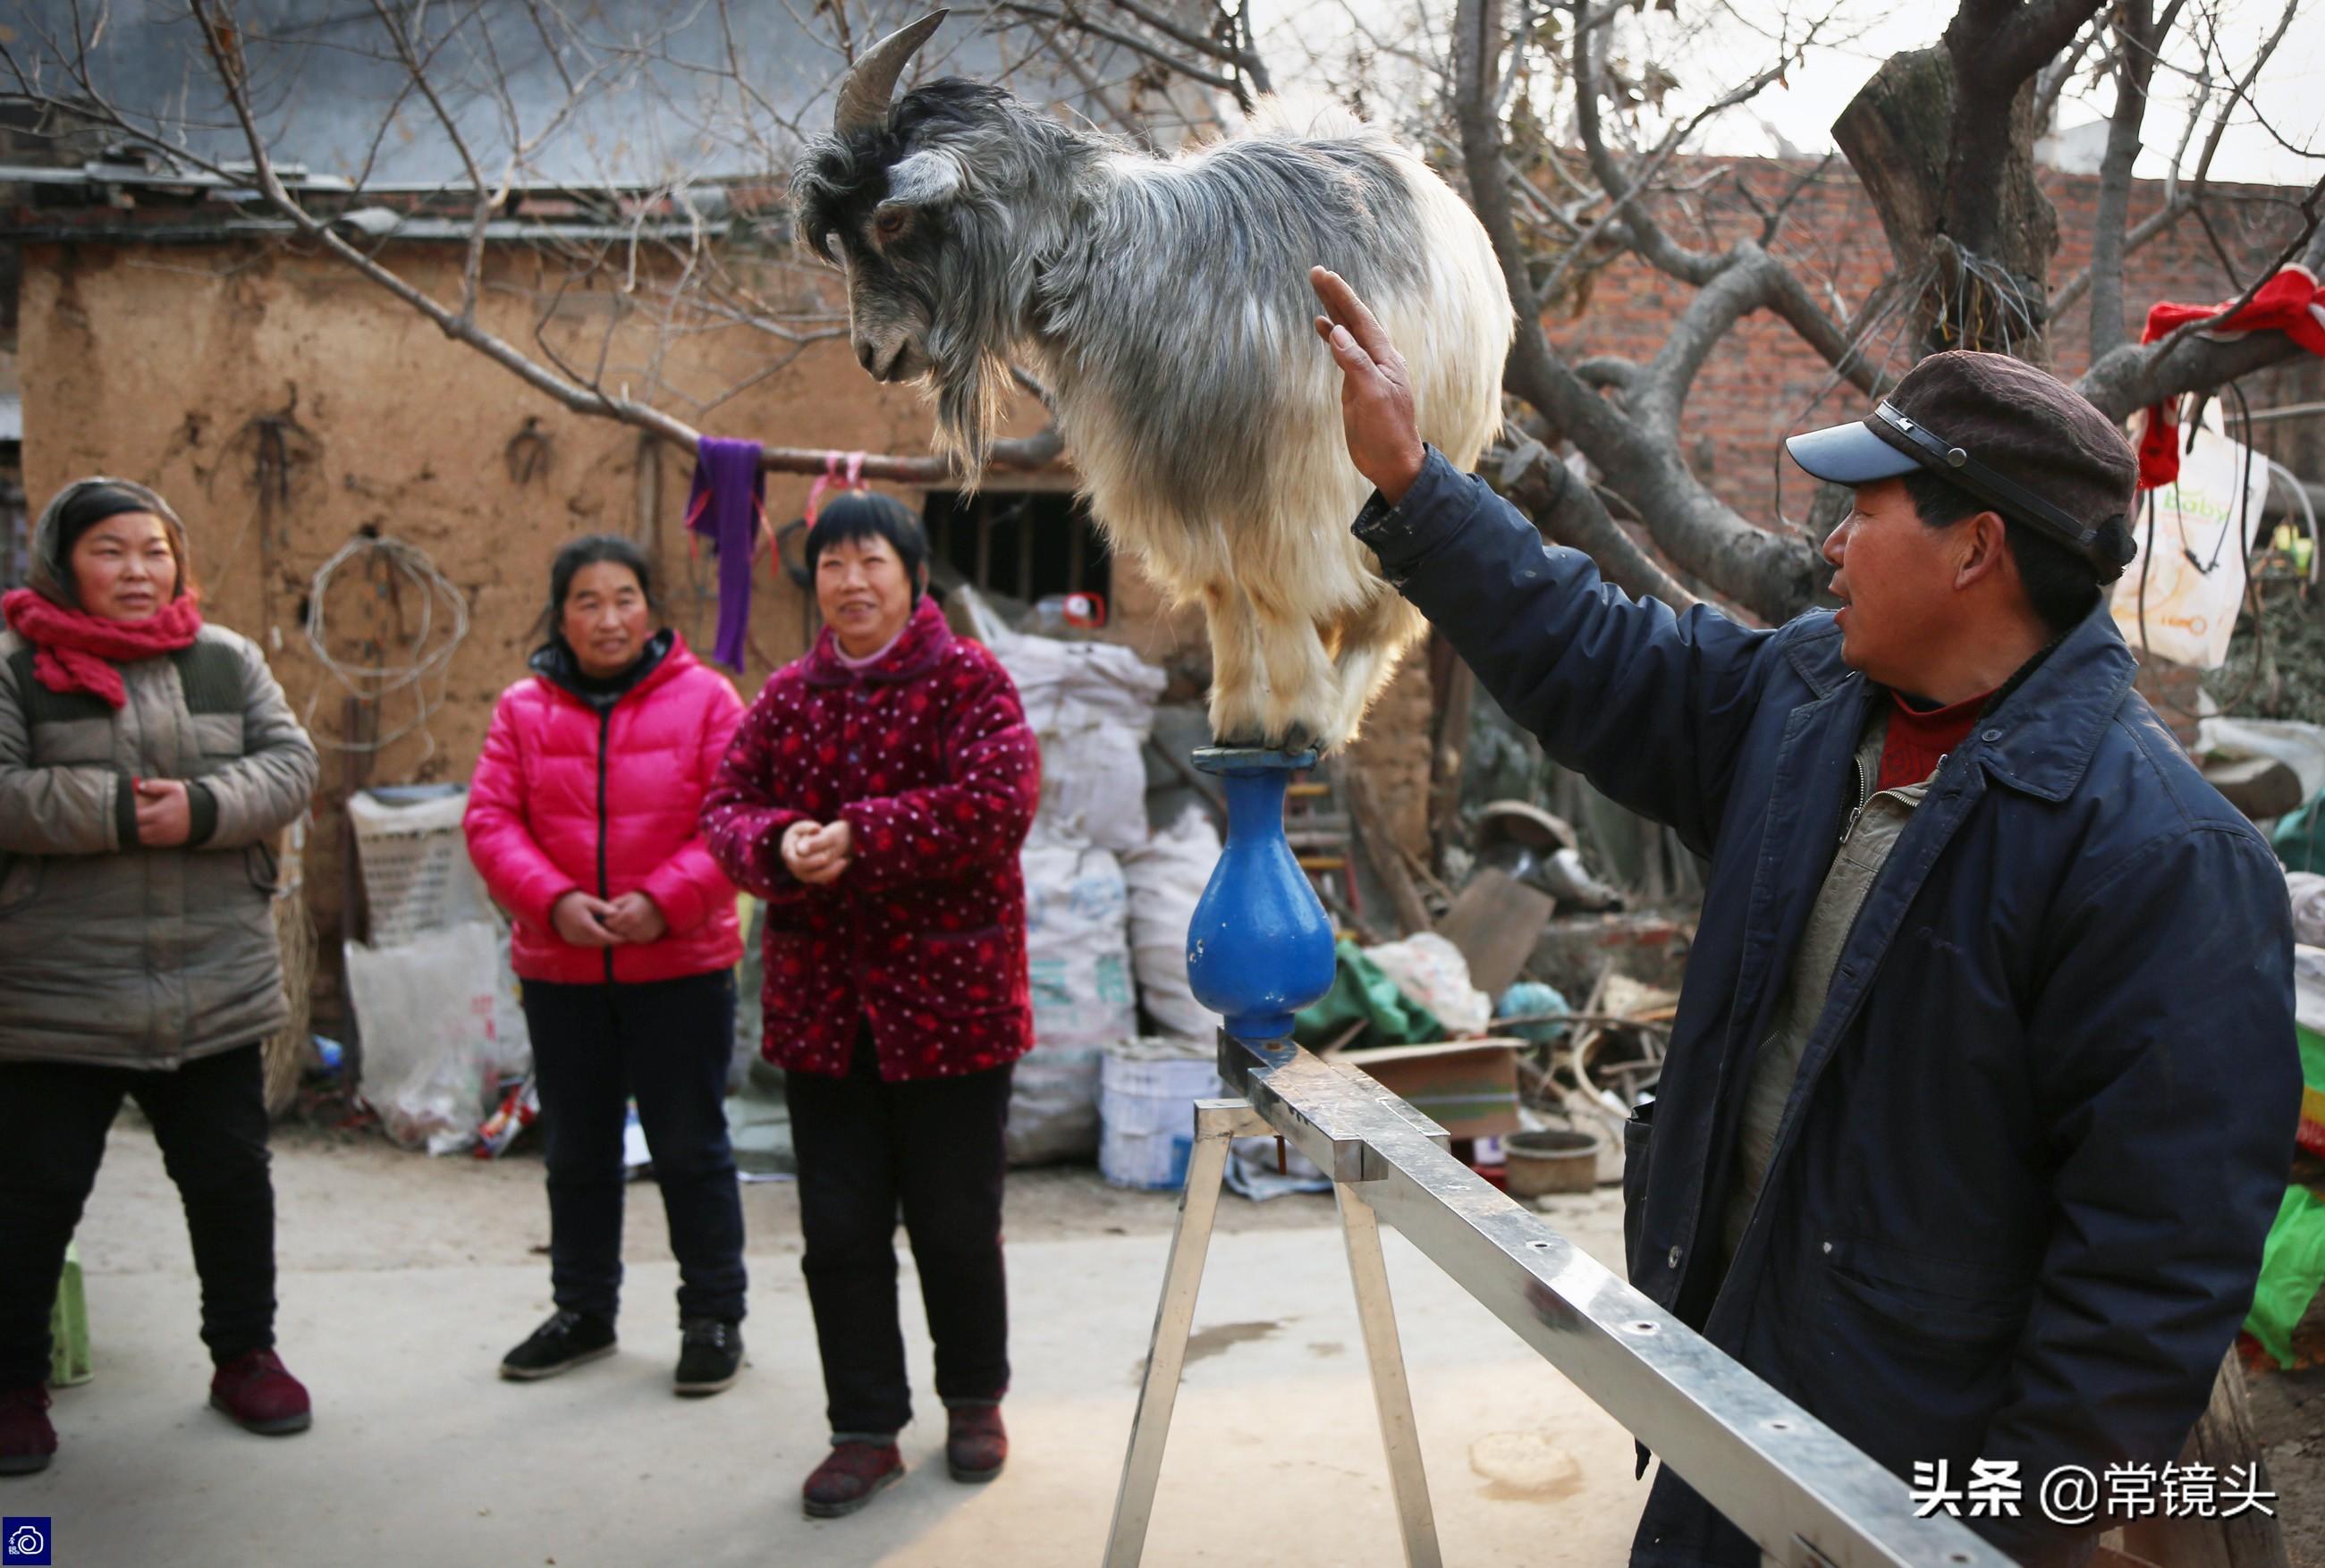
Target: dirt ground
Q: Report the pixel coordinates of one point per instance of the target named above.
(353, 1204)
(403, 1279)
(2288, 1411)
(388, 1203)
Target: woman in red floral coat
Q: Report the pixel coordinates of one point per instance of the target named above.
(875, 797)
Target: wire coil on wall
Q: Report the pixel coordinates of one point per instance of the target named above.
(431, 645)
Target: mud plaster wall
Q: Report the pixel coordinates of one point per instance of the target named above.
(285, 405)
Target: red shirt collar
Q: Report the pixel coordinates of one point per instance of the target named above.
(1918, 737)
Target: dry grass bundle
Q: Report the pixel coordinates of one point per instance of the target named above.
(285, 1054)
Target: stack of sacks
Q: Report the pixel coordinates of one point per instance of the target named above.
(1167, 877)
(1090, 706)
(1078, 957)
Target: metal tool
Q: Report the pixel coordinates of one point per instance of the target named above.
(1807, 1496)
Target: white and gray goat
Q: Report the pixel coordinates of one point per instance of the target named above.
(1166, 304)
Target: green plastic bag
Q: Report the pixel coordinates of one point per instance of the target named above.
(2291, 1268)
(2300, 837)
(1362, 991)
(68, 1361)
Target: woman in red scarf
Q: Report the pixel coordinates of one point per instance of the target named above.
(147, 762)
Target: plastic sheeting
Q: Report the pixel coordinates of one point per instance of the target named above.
(1091, 707)
(1078, 953)
(431, 1048)
(2178, 598)
(2291, 1268)
(1167, 877)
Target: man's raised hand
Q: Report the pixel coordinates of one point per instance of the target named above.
(1375, 394)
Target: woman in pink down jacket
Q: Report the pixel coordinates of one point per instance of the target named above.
(582, 821)
(875, 797)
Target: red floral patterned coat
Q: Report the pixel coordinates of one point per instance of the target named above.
(927, 755)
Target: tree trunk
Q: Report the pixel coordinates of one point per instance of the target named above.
(1986, 291)
(1453, 693)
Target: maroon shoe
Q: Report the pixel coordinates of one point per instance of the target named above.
(849, 1478)
(261, 1397)
(976, 1444)
(26, 1438)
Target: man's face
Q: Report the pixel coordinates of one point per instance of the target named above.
(1895, 581)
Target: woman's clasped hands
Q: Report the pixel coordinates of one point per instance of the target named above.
(588, 922)
(818, 853)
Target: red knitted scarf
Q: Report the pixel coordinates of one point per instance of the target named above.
(78, 651)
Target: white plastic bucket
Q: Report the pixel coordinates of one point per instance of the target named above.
(1145, 1108)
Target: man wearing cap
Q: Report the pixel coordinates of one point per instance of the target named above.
(1982, 1089)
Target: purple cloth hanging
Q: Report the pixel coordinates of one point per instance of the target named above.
(725, 503)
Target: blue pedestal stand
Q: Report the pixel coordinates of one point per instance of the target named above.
(1260, 947)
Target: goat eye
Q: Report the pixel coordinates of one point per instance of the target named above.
(889, 224)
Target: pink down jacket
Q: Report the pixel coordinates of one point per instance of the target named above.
(566, 796)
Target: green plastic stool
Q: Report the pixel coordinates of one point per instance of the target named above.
(69, 1359)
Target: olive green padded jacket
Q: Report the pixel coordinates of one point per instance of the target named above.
(112, 954)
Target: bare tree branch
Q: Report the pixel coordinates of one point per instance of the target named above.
(1768, 572)
(1994, 46)
(1771, 218)
(1567, 512)
(1646, 236)
(1605, 370)
(1622, 208)
(2052, 81)
(2186, 360)
(1243, 60)
(1039, 451)
(2139, 35)
(1133, 44)
(2177, 204)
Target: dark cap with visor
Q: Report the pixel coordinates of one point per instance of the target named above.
(2013, 437)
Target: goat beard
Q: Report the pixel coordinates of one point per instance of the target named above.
(974, 330)
(971, 383)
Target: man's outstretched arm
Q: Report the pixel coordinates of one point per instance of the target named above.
(1648, 704)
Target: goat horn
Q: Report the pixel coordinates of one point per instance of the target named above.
(863, 95)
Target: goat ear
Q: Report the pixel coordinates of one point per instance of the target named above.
(924, 178)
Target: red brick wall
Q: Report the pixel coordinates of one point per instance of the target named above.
(1762, 382)
(2173, 691)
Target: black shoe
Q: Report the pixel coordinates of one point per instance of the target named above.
(710, 1356)
(558, 1345)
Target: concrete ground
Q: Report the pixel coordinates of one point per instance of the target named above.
(405, 1278)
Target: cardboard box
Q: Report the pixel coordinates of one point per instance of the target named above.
(1467, 1087)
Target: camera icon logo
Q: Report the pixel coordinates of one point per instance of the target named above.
(24, 1541)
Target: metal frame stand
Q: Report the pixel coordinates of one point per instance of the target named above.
(1809, 1497)
(1218, 1124)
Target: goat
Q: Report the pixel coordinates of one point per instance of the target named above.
(1166, 304)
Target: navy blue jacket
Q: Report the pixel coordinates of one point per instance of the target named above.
(2017, 1199)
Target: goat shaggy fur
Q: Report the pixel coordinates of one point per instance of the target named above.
(1166, 303)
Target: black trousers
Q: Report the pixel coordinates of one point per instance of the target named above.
(933, 1148)
(209, 1117)
(668, 1042)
